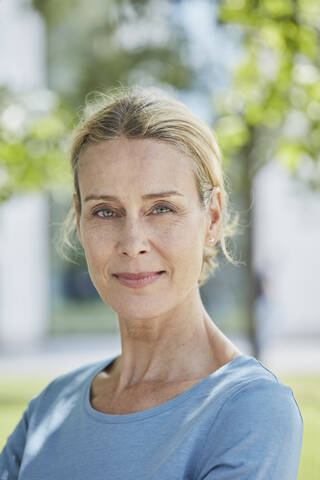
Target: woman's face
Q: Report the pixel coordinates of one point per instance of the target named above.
(128, 224)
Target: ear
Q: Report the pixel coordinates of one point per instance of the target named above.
(77, 210)
(214, 226)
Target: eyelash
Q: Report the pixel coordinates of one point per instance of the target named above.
(95, 212)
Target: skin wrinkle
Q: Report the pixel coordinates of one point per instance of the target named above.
(167, 336)
(150, 195)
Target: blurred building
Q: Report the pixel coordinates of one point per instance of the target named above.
(287, 239)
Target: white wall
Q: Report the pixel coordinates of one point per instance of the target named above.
(287, 240)
(24, 270)
(22, 46)
(24, 261)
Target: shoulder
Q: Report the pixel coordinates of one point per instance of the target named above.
(258, 428)
(250, 397)
(67, 385)
(46, 406)
(261, 401)
(252, 384)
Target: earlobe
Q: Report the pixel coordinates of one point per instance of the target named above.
(215, 212)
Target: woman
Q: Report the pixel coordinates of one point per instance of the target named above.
(181, 401)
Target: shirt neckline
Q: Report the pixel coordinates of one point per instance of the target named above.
(150, 412)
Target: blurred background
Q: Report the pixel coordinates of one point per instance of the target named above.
(251, 69)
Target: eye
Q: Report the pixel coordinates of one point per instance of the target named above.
(103, 213)
(107, 213)
(165, 207)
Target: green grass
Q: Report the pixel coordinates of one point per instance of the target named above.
(16, 393)
(307, 393)
(14, 397)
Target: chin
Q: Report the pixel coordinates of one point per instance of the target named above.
(138, 307)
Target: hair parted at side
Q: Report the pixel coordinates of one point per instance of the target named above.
(147, 113)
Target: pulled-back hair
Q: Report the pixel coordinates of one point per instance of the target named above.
(137, 113)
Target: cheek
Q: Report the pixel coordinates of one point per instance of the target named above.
(192, 252)
(184, 248)
(96, 244)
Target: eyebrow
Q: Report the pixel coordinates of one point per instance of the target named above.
(147, 196)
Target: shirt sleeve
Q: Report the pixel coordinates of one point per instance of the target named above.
(12, 453)
(257, 435)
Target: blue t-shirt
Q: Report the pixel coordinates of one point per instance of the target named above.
(238, 423)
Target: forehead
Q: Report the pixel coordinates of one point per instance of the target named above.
(122, 165)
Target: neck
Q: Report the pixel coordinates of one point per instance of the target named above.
(182, 345)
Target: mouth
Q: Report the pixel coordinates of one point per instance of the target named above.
(138, 280)
(137, 276)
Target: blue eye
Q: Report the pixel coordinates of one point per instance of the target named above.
(97, 212)
(107, 213)
(163, 206)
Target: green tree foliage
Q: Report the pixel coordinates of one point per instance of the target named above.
(96, 45)
(91, 46)
(273, 106)
(32, 142)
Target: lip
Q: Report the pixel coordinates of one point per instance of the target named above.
(136, 276)
(138, 280)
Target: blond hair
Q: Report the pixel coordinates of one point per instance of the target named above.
(145, 113)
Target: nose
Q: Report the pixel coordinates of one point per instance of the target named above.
(133, 239)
